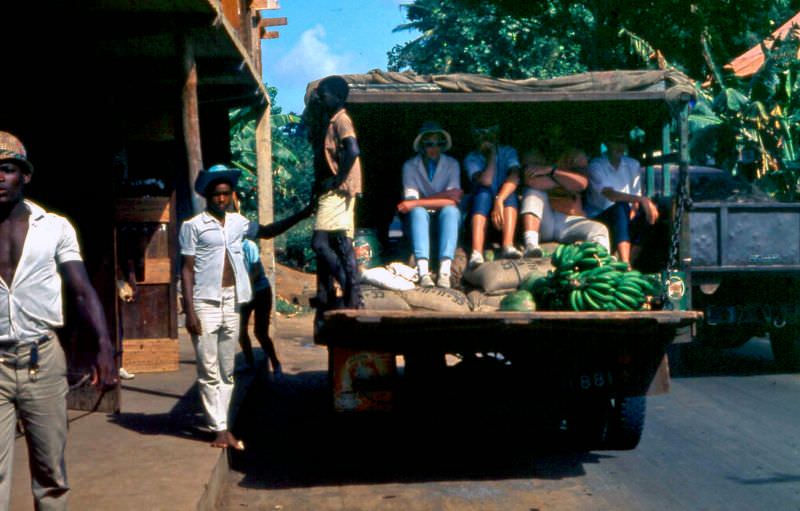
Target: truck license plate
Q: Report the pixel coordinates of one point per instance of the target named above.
(594, 380)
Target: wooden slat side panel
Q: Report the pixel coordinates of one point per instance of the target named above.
(150, 355)
(142, 209)
(145, 318)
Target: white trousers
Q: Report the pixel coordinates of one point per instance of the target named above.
(556, 226)
(215, 349)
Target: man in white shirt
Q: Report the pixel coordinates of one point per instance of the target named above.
(432, 189)
(37, 251)
(615, 197)
(215, 283)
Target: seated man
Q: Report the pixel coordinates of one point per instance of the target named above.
(551, 202)
(432, 188)
(493, 170)
(615, 197)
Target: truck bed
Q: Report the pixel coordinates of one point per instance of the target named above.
(400, 331)
(745, 236)
(555, 355)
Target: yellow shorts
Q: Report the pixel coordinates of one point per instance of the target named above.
(336, 212)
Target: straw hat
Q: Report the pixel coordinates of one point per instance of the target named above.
(216, 173)
(432, 127)
(11, 149)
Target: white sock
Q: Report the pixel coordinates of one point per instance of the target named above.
(531, 238)
(476, 253)
(444, 267)
(422, 267)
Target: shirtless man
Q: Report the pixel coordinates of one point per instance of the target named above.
(33, 382)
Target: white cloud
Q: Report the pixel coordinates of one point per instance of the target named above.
(311, 58)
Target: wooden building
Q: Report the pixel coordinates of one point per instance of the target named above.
(120, 103)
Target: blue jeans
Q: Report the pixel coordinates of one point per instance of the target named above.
(448, 218)
(483, 201)
(618, 220)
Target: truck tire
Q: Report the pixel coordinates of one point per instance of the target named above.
(785, 343)
(625, 423)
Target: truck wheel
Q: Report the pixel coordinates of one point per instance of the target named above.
(625, 423)
(785, 343)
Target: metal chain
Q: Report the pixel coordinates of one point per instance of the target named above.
(683, 205)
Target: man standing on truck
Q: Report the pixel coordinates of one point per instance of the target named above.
(551, 202)
(615, 198)
(337, 182)
(215, 284)
(37, 251)
(493, 170)
(432, 189)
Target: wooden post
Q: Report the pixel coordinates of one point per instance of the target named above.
(191, 121)
(264, 176)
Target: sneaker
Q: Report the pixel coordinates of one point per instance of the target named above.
(426, 281)
(125, 375)
(533, 251)
(443, 280)
(510, 253)
(475, 260)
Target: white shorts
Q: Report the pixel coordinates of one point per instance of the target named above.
(336, 212)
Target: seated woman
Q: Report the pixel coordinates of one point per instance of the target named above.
(551, 208)
(432, 191)
(615, 198)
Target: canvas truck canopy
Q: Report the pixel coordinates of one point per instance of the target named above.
(578, 110)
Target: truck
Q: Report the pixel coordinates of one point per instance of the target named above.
(587, 373)
(743, 263)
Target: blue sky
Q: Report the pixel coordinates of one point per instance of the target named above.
(325, 37)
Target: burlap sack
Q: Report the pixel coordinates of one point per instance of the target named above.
(437, 299)
(458, 266)
(481, 302)
(506, 273)
(376, 298)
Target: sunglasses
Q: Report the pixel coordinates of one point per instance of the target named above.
(432, 143)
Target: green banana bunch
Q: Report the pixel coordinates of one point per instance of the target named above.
(587, 277)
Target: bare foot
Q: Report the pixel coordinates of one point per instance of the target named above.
(226, 439)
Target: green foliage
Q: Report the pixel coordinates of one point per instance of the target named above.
(292, 175)
(748, 127)
(545, 38)
(752, 125)
(487, 40)
(284, 307)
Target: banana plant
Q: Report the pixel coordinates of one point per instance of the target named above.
(292, 173)
(749, 128)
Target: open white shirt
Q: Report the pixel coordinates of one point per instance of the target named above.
(627, 178)
(205, 238)
(31, 305)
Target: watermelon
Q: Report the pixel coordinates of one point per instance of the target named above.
(518, 301)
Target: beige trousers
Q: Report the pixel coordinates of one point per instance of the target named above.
(40, 402)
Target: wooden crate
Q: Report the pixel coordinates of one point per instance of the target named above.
(142, 209)
(150, 355)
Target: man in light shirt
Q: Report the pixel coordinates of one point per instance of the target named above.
(39, 250)
(215, 284)
(615, 197)
(432, 191)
